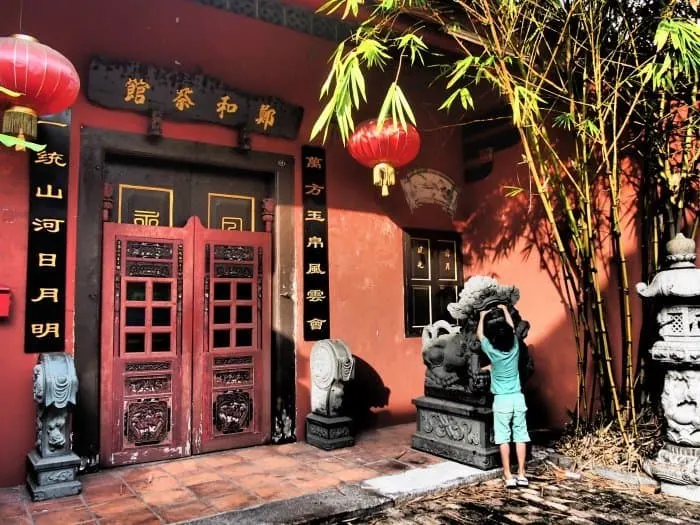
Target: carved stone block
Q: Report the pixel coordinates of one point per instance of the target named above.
(329, 433)
(52, 464)
(456, 431)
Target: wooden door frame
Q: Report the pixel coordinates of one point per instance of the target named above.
(95, 144)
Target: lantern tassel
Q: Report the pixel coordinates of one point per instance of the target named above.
(20, 120)
(384, 176)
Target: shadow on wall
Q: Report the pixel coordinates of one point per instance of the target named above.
(365, 392)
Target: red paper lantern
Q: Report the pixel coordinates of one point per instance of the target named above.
(384, 149)
(46, 79)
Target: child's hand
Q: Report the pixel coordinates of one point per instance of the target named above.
(503, 307)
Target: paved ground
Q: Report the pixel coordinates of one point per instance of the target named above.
(549, 499)
(204, 485)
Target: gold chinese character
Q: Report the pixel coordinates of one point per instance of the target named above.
(47, 293)
(136, 90)
(47, 259)
(223, 106)
(314, 215)
(49, 158)
(315, 268)
(48, 225)
(313, 189)
(314, 162)
(49, 194)
(447, 266)
(420, 265)
(266, 116)
(147, 217)
(231, 223)
(315, 296)
(447, 254)
(420, 249)
(43, 329)
(316, 324)
(183, 99)
(314, 242)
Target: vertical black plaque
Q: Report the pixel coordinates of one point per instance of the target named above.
(45, 310)
(317, 322)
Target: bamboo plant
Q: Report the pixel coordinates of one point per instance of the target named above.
(581, 70)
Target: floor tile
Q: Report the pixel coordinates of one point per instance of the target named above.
(213, 489)
(106, 492)
(355, 474)
(134, 474)
(181, 466)
(234, 501)
(198, 477)
(256, 452)
(8, 510)
(318, 483)
(109, 509)
(168, 497)
(66, 516)
(16, 520)
(388, 466)
(276, 462)
(238, 471)
(71, 502)
(136, 516)
(185, 511)
(332, 465)
(154, 484)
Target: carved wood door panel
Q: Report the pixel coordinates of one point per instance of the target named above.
(146, 343)
(232, 337)
(186, 317)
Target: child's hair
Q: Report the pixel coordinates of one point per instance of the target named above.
(498, 331)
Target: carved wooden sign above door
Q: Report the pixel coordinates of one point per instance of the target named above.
(182, 96)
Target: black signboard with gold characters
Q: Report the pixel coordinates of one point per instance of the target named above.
(316, 301)
(46, 260)
(192, 97)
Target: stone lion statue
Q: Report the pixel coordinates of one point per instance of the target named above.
(452, 354)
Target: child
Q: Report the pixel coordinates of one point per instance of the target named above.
(499, 343)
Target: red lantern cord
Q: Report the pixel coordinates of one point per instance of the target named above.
(384, 149)
(47, 81)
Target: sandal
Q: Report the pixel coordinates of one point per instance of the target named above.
(522, 481)
(510, 483)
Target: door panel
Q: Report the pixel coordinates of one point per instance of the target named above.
(146, 343)
(231, 349)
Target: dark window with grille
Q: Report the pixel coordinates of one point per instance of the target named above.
(433, 277)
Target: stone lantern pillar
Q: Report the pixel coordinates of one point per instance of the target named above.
(53, 466)
(676, 291)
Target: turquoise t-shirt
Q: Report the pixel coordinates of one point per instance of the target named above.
(505, 376)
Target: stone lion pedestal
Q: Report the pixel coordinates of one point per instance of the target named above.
(676, 291)
(332, 365)
(53, 466)
(455, 420)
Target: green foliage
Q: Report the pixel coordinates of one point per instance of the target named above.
(602, 73)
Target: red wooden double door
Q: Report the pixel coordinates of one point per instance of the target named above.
(185, 341)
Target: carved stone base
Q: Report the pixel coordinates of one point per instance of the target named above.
(52, 477)
(456, 431)
(678, 469)
(329, 433)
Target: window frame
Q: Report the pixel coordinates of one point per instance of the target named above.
(432, 236)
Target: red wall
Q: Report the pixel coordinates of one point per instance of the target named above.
(365, 234)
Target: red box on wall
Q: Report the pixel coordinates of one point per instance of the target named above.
(5, 299)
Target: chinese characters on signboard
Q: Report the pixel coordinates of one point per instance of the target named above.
(46, 261)
(180, 96)
(316, 300)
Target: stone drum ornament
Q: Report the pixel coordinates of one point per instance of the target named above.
(53, 465)
(455, 417)
(332, 366)
(676, 291)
